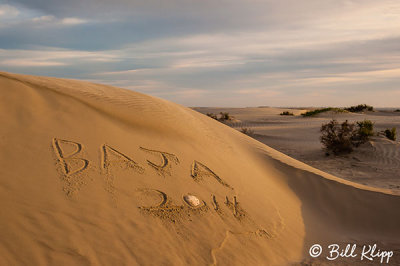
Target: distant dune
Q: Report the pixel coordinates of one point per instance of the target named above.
(96, 175)
(375, 163)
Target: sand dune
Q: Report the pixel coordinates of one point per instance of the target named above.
(96, 175)
(375, 163)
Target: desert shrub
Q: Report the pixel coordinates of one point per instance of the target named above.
(247, 131)
(322, 110)
(397, 110)
(365, 129)
(391, 133)
(214, 116)
(224, 116)
(338, 138)
(342, 138)
(316, 111)
(286, 113)
(359, 108)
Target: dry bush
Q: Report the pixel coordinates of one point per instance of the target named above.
(213, 116)
(342, 138)
(359, 108)
(286, 113)
(338, 138)
(364, 131)
(225, 117)
(322, 110)
(391, 133)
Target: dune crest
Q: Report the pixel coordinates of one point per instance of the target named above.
(97, 175)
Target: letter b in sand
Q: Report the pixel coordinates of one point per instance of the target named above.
(70, 164)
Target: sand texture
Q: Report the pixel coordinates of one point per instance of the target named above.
(96, 175)
(375, 163)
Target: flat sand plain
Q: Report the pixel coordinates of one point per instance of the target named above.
(375, 163)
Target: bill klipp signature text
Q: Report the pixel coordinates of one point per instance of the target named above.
(368, 252)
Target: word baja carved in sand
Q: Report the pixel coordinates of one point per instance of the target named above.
(70, 156)
(111, 156)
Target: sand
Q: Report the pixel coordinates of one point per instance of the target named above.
(375, 163)
(96, 175)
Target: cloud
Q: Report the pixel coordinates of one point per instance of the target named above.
(72, 21)
(47, 18)
(8, 11)
(14, 16)
(259, 52)
(51, 57)
(208, 62)
(30, 63)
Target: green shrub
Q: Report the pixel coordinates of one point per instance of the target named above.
(316, 111)
(359, 108)
(322, 110)
(224, 116)
(213, 116)
(365, 129)
(338, 137)
(391, 133)
(247, 131)
(286, 113)
(342, 138)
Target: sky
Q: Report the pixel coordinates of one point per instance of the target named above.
(233, 53)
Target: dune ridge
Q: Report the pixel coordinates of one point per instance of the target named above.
(96, 175)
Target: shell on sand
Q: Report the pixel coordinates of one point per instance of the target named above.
(192, 200)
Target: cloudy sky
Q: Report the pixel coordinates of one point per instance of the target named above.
(213, 52)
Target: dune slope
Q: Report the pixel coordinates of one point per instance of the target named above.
(96, 175)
